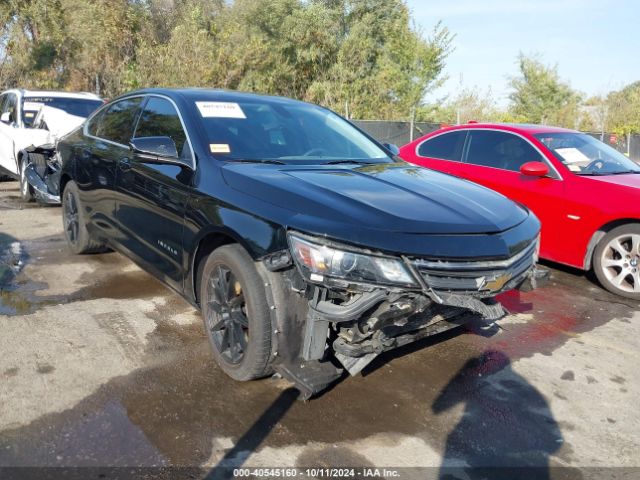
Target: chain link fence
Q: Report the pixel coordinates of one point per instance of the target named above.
(399, 133)
(627, 144)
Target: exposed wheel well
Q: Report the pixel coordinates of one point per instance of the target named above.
(601, 232)
(63, 181)
(207, 245)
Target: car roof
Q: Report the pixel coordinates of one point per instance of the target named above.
(511, 127)
(53, 93)
(212, 95)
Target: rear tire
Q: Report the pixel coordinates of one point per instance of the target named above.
(616, 261)
(26, 190)
(236, 313)
(78, 237)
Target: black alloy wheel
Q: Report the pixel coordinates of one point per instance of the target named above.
(227, 314)
(71, 217)
(236, 313)
(78, 237)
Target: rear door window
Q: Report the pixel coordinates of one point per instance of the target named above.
(502, 150)
(447, 146)
(118, 121)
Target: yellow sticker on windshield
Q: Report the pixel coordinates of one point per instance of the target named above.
(219, 148)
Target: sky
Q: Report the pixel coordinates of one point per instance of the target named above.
(595, 43)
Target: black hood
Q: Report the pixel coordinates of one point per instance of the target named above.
(391, 197)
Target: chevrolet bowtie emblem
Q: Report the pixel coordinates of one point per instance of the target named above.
(497, 283)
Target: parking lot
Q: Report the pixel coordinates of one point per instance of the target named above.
(101, 366)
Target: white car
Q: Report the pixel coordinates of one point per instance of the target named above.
(30, 119)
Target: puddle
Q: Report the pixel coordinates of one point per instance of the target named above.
(180, 409)
(12, 260)
(111, 276)
(18, 294)
(568, 306)
(122, 285)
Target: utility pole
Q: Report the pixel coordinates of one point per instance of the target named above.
(604, 112)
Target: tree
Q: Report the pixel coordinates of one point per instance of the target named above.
(188, 54)
(594, 115)
(540, 96)
(623, 108)
(466, 105)
(384, 66)
(33, 43)
(362, 57)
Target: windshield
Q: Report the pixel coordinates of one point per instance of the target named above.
(80, 107)
(283, 132)
(584, 155)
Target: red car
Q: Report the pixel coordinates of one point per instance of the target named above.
(585, 193)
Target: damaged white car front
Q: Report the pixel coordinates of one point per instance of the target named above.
(42, 166)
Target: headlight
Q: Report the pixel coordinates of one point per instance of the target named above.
(317, 261)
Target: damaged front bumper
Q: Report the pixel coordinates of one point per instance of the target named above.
(42, 172)
(347, 328)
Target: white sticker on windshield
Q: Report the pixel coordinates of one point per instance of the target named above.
(219, 148)
(32, 105)
(220, 110)
(572, 155)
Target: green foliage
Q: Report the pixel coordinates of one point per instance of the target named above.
(362, 57)
(32, 40)
(466, 105)
(623, 110)
(539, 96)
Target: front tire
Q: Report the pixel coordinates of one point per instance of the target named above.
(26, 190)
(78, 237)
(236, 313)
(616, 261)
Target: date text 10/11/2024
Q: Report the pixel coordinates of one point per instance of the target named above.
(315, 473)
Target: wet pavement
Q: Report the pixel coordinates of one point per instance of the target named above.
(101, 365)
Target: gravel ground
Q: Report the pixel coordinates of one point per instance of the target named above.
(102, 366)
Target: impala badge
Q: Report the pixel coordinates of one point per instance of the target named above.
(168, 247)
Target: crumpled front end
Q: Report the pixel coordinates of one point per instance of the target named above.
(42, 171)
(344, 317)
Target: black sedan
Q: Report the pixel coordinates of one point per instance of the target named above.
(309, 247)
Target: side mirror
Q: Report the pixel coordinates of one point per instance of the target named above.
(5, 117)
(535, 169)
(156, 150)
(392, 148)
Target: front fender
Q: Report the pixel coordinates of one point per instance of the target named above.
(209, 224)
